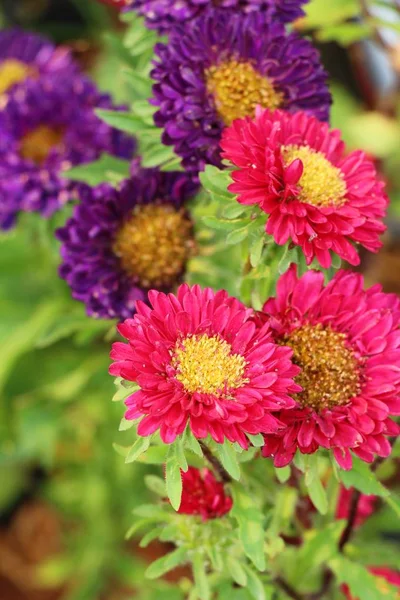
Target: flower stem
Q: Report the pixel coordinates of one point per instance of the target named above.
(214, 462)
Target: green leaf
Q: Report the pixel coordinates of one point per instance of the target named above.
(173, 477)
(234, 210)
(200, 577)
(138, 448)
(256, 249)
(155, 455)
(192, 443)
(166, 563)
(363, 585)
(151, 535)
(314, 485)
(156, 485)
(251, 530)
(124, 121)
(256, 440)
(106, 169)
(228, 458)
(254, 584)
(394, 503)
(283, 473)
(238, 235)
(221, 224)
(180, 454)
(125, 424)
(236, 570)
(318, 547)
(363, 479)
(157, 156)
(216, 181)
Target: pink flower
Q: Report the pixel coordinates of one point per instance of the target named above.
(366, 506)
(203, 495)
(200, 359)
(315, 194)
(347, 343)
(385, 575)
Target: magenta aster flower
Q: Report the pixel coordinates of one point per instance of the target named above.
(27, 55)
(200, 359)
(164, 15)
(203, 495)
(46, 127)
(121, 242)
(219, 68)
(347, 343)
(317, 195)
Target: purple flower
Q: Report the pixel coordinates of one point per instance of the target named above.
(25, 55)
(46, 127)
(221, 67)
(163, 15)
(119, 243)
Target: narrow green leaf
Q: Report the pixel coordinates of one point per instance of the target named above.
(216, 181)
(318, 547)
(283, 473)
(254, 586)
(314, 486)
(363, 585)
(256, 440)
(237, 572)
(125, 424)
(200, 577)
(138, 448)
(121, 450)
(227, 455)
(234, 210)
(192, 443)
(180, 454)
(238, 235)
(106, 169)
(166, 563)
(156, 485)
(157, 156)
(363, 479)
(256, 251)
(173, 477)
(394, 503)
(124, 121)
(221, 224)
(151, 535)
(251, 530)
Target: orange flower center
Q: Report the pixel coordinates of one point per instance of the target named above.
(321, 184)
(329, 370)
(13, 71)
(207, 365)
(37, 144)
(238, 88)
(154, 244)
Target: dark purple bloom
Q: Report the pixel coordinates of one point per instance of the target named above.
(220, 68)
(46, 127)
(27, 55)
(119, 243)
(163, 15)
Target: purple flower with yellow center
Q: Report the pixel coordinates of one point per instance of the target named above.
(164, 15)
(219, 68)
(26, 55)
(46, 127)
(119, 243)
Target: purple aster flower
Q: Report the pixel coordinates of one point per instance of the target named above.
(46, 127)
(120, 243)
(26, 55)
(163, 15)
(220, 68)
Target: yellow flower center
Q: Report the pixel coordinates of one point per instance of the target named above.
(238, 88)
(11, 72)
(37, 144)
(321, 184)
(329, 369)
(206, 364)
(154, 243)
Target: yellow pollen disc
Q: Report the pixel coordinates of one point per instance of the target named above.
(37, 144)
(321, 184)
(11, 72)
(329, 375)
(206, 364)
(238, 88)
(154, 244)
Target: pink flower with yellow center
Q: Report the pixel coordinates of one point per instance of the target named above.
(316, 194)
(347, 343)
(201, 360)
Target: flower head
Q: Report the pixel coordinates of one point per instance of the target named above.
(203, 495)
(385, 576)
(200, 359)
(315, 194)
(46, 127)
(347, 343)
(365, 508)
(165, 15)
(119, 243)
(30, 56)
(219, 68)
